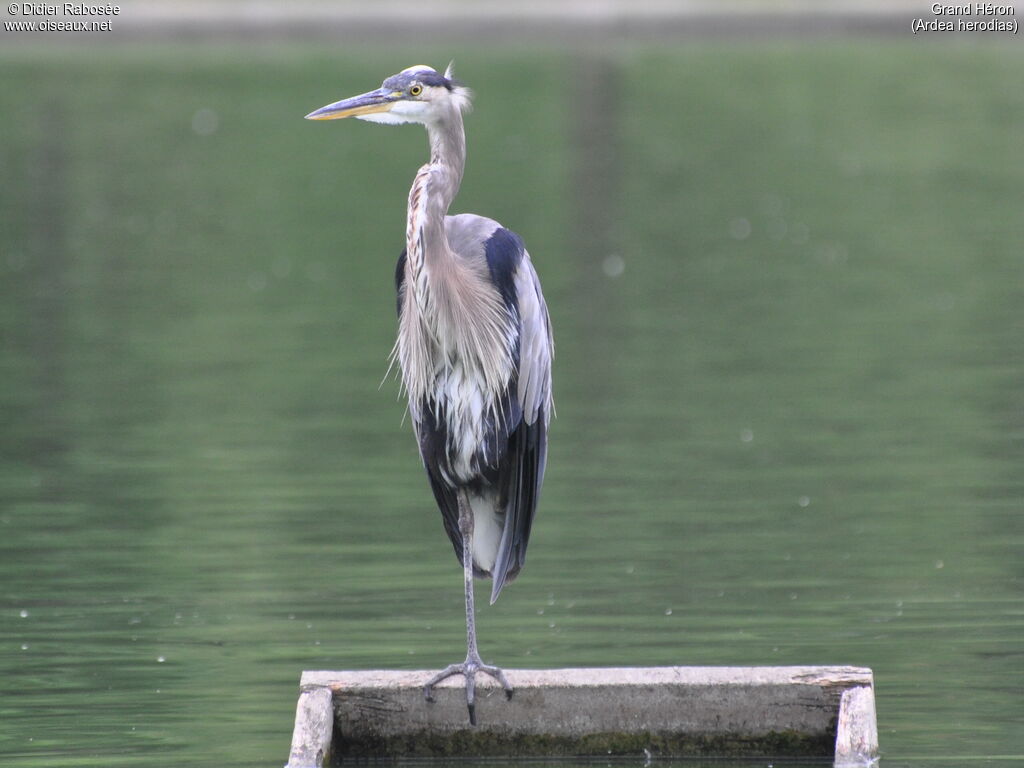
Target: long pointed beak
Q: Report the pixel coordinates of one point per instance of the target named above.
(380, 100)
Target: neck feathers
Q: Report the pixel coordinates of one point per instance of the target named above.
(452, 315)
(432, 192)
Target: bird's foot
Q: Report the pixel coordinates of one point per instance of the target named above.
(468, 670)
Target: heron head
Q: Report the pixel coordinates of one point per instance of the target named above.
(418, 94)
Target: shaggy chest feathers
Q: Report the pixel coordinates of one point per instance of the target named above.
(456, 349)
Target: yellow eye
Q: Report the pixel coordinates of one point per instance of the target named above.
(416, 90)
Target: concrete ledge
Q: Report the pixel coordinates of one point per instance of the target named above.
(657, 711)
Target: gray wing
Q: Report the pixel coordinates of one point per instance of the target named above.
(512, 272)
(536, 344)
(522, 470)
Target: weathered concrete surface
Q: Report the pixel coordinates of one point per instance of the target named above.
(314, 728)
(751, 711)
(857, 729)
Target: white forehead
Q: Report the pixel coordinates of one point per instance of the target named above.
(416, 68)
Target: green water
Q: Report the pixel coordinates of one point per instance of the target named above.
(788, 293)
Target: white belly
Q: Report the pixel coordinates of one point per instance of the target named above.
(487, 527)
(463, 402)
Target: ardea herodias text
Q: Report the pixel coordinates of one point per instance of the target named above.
(475, 348)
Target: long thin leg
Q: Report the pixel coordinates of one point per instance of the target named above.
(473, 662)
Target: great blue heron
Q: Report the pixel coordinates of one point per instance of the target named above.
(475, 347)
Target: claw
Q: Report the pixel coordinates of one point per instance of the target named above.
(498, 675)
(468, 670)
(470, 675)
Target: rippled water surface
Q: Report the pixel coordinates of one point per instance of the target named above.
(788, 294)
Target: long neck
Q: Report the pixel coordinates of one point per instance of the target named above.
(448, 152)
(433, 190)
(448, 311)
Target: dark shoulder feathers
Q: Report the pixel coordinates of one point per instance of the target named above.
(504, 251)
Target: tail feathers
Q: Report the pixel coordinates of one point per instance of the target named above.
(501, 577)
(521, 478)
(493, 551)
